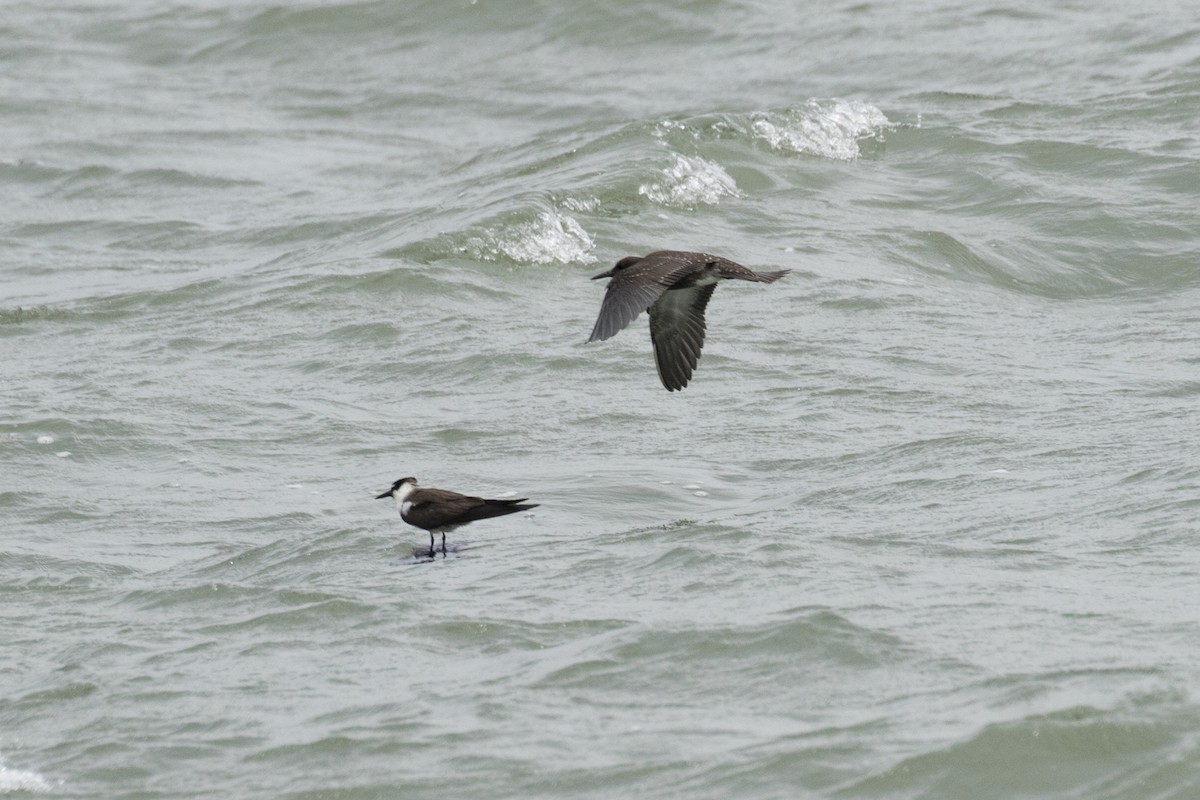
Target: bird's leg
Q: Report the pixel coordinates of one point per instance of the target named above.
(443, 544)
(431, 550)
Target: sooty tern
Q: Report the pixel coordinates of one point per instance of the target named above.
(676, 287)
(440, 510)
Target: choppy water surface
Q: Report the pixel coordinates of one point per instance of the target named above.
(922, 526)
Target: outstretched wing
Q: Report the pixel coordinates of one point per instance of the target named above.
(732, 269)
(677, 330)
(625, 298)
(634, 289)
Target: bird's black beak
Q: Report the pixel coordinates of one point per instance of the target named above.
(602, 275)
(388, 493)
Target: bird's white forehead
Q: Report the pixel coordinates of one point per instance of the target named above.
(403, 492)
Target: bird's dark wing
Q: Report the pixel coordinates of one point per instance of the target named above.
(677, 330)
(624, 299)
(436, 508)
(732, 269)
(433, 508)
(497, 508)
(634, 289)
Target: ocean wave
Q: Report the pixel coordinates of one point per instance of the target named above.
(690, 181)
(21, 780)
(825, 128)
(1075, 751)
(550, 238)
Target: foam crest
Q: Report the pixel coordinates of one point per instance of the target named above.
(825, 128)
(690, 181)
(551, 237)
(20, 780)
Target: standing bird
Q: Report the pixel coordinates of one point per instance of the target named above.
(676, 288)
(441, 510)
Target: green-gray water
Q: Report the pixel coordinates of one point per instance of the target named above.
(922, 526)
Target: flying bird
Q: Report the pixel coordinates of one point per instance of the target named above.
(440, 510)
(676, 287)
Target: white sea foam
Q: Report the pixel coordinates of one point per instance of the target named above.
(581, 203)
(63, 454)
(551, 237)
(20, 780)
(826, 128)
(45, 439)
(690, 181)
